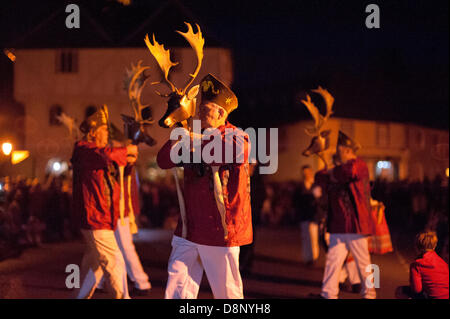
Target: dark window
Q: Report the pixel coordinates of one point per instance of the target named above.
(55, 111)
(89, 111)
(66, 61)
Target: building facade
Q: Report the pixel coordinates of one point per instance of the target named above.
(50, 81)
(394, 151)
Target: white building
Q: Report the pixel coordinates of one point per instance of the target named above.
(392, 150)
(50, 80)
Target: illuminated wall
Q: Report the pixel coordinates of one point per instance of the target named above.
(414, 152)
(98, 78)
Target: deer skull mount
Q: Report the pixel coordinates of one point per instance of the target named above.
(320, 137)
(180, 106)
(136, 128)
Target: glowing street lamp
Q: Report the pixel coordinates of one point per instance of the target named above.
(56, 166)
(7, 148)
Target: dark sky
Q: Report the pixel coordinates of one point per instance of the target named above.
(282, 49)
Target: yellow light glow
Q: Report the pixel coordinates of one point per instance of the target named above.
(10, 55)
(446, 172)
(125, 2)
(19, 156)
(7, 148)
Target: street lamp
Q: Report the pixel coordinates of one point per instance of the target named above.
(7, 148)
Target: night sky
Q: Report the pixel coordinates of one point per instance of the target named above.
(282, 49)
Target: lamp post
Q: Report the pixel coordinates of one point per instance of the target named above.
(7, 148)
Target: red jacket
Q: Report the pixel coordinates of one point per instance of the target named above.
(96, 192)
(429, 274)
(203, 218)
(348, 197)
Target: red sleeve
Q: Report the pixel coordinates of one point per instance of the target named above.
(93, 157)
(237, 145)
(351, 171)
(415, 279)
(163, 157)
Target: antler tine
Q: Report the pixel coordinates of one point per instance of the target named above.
(162, 56)
(329, 100)
(314, 112)
(197, 42)
(137, 81)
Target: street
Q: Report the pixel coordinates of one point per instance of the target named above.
(277, 270)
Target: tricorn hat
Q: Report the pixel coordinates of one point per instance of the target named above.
(94, 121)
(215, 91)
(344, 140)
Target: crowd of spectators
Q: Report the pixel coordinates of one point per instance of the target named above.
(32, 212)
(410, 208)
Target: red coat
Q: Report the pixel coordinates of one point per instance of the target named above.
(96, 192)
(429, 274)
(203, 218)
(348, 197)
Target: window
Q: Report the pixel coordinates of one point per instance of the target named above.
(55, 111)
(386, 169)
(89, 111)
(383, 135)
(418, 138)
(66, 61)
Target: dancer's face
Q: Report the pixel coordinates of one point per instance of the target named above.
(100, 136)
(211, 115)
(345, 153)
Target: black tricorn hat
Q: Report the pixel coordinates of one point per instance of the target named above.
(215, 91)
(344, 140)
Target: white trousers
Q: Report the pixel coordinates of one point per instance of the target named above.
(340, 245)
(350, 271)
(133, 265)
(102, 257)
(187, 262)
(310, 241)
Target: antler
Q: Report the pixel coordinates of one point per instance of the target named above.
(319, 119)
(70, 123)
(162, 56)
(197, 42)
(135, 82)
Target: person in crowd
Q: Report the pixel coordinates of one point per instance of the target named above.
(258, 193)
(306, 204)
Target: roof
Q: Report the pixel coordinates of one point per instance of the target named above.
(112, 25)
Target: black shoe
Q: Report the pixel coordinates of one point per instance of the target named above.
(356, 288)
(345, 287)
(135, 292)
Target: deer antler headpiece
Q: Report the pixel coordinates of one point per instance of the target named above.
(135, 128)
(320, 141)
(181, 106)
